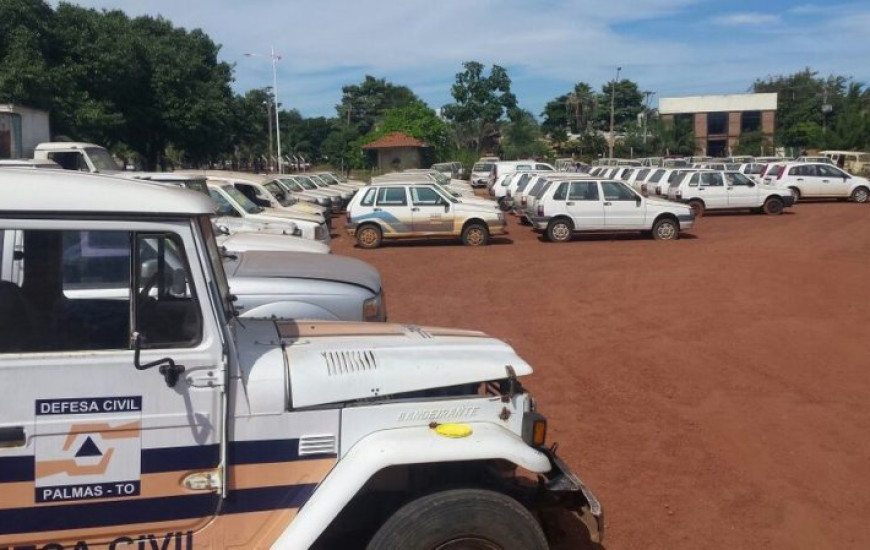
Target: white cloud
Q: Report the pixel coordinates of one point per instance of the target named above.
(747, 18)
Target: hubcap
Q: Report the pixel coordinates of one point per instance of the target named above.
(666, 231)
(368, 237)
(475, 237)
(561, 231)
(861, 195)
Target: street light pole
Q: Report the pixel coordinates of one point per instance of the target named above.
(275, 58)
(612, 104)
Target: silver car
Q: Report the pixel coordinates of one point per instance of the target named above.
(301, 285)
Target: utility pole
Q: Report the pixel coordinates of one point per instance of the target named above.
(275, 58)
(646, 101)
(612, 105)
(268, 103)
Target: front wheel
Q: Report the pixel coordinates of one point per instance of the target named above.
(773, 206)
(665, 229)
(475, 234)
(861, 194)
(461, 519)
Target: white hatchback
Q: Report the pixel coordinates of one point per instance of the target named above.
(606, 206)
(717, 190)
(820, 180)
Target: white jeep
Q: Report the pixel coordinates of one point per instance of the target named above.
(147, 414)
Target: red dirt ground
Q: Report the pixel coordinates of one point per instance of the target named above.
(712, 391)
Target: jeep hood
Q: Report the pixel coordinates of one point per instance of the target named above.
(319, 363)
(303, 265)
(245, 241)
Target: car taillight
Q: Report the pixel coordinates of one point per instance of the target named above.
(540, 210)
(523, 200)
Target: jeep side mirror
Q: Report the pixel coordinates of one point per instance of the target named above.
(637, 200)
(446, 207)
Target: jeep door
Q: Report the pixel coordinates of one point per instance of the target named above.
(393, 211)
(584, 205)
(430, 212)
(741, 192)
(623, 208)
(92, 448)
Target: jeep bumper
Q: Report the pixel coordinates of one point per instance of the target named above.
(687, 221)
(564, 489)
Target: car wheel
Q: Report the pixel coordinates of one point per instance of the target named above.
(666, 229)
(697, 208)
(559, 231)
(461, 519)
(860, 194)
(475, 234)
(773, 206)
(369, 236)
(796, 192)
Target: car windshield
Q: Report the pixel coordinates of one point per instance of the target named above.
(306, 183)
(290, 185)
(482, 167)
(440, 178)
(327, 179)
(242, 200)
(448, 194)
(102, 160)
(318, 180)
(280, 195)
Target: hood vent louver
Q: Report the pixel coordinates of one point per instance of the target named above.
(317, 445)
(348, 362)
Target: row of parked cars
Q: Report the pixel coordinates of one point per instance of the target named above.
(154, 371)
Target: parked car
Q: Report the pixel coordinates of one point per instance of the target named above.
(854, 162)
(338, 197)
(314, 196)
(233, 203)
(301, 285)
(593, 205)
(481, 173)
(418, 210)
(820, 180)
(709, 190)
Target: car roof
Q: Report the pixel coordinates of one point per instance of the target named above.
(64, 145)
(27, 190)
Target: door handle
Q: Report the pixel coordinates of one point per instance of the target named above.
(415, 209)
(569, 203)
(826, 181)
(800, 179)
(377, 209)
(608, 203)
(12, 437)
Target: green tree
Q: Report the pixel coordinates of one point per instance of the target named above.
(574, 110)
(481, 103)
(522, 137)
(363, 105)
(627, 101)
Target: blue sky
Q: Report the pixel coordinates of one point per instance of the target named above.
(670, 47)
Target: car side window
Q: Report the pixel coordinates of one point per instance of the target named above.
(425, 196)
(392, 196)
(736, 178)
(711, 180)
(583, 191)
(693, 181)
(561, 192)
(76, 292)
(829, 171)
(614, 191)
(369, 198)
(543, 167)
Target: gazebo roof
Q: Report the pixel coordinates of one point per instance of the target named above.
(396, 139)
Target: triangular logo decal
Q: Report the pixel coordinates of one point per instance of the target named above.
(89, 448)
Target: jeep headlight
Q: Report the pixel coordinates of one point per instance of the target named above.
(375, 309)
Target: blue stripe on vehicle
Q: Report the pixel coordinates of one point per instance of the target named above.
(16, 468)
(171, 459)
(152, 510)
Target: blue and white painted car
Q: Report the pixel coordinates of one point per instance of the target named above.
(419, 210)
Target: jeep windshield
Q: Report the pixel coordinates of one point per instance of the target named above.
(306, 183)
(103, 161)
(243, 201)
(449, 195)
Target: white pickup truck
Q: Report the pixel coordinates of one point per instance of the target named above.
(162, 420)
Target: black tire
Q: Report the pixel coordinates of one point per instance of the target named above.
(796, 192)
(369, 236)
(697, 207)
(560, 230)
(469, 519)
(773, 206)
(475, 234)
(860, 194)
(666, 229)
